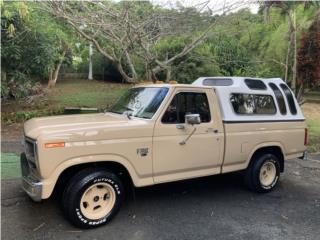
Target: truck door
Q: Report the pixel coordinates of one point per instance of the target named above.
(201, 154)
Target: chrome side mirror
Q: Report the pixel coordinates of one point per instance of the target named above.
(192, 119)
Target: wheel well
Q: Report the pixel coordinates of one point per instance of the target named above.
(115, 167)
(271, 149)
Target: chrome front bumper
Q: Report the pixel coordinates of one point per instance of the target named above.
(31, 185)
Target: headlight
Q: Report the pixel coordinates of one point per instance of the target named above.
(31, 149)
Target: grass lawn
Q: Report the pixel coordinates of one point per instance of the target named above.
(85, 93)
(311, 111)
(10, 166)
(67, 93)
(314, 135)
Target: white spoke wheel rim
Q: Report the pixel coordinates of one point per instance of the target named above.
(97, 201)
(268, 173)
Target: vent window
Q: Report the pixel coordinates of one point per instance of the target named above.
(280, 98)
(217, 82)
(249, 104)
(255, 84)
(290, 98)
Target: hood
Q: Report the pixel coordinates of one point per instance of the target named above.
(66, 126)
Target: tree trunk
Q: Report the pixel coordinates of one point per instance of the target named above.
(294, 66)
(134, 74)
(53, 79)
(168, 70)
(291, 32)
(168, 74)
(300, 94)
(148, 72)
(286, 73)
(125, 77)
(90, 62)
(50, 78)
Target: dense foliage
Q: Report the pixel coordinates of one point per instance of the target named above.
(31, 46)
(34, 45)
(309, 56)
(242, 44)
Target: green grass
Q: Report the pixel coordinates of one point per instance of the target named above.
(10, 166)
(314, 135)
(85, 93)
(67, 93)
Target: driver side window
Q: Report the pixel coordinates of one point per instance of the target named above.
(187, 103)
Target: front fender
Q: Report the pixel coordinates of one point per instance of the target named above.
(138, 180)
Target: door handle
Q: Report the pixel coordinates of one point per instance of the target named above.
(212, 130)
(180, 126)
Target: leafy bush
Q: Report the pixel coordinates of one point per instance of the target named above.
(19, 86)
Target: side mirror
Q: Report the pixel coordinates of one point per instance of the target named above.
(192, 119)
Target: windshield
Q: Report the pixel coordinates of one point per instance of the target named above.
(142, 102)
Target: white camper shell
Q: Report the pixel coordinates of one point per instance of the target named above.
(245, 99)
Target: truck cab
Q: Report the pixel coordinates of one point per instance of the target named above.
(159, 133)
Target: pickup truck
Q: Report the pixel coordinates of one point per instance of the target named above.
(160, 133)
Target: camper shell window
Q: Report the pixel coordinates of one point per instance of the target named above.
(252, 104)
(217, 82)
(280, 98)
(255, 84)
(290, 99)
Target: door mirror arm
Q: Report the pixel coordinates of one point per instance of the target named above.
(191, 119)
(185, 141)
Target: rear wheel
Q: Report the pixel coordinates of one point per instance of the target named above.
(263, 173)
(92, 197)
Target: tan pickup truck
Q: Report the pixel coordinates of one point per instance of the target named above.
(162, 133)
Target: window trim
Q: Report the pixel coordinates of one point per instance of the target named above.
(282, 96)
(185, 91)
(253, 114)
(288, 95)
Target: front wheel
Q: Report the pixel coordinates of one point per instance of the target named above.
(263, 173)
(92, 198)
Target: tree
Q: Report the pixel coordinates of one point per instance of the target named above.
(34, 46)
(60, 43)
(309, 56)
(288, 9)
(127, 30)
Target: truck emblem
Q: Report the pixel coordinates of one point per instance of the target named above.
(143, 151)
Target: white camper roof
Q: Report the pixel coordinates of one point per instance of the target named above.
(226, 86)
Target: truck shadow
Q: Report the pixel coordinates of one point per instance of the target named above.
(193, 188)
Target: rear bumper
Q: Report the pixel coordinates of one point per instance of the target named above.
(31, 185)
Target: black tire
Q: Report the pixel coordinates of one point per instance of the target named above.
(252, 174)
(78, 186)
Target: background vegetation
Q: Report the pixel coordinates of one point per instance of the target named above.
(43, 42)
(37, 39)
